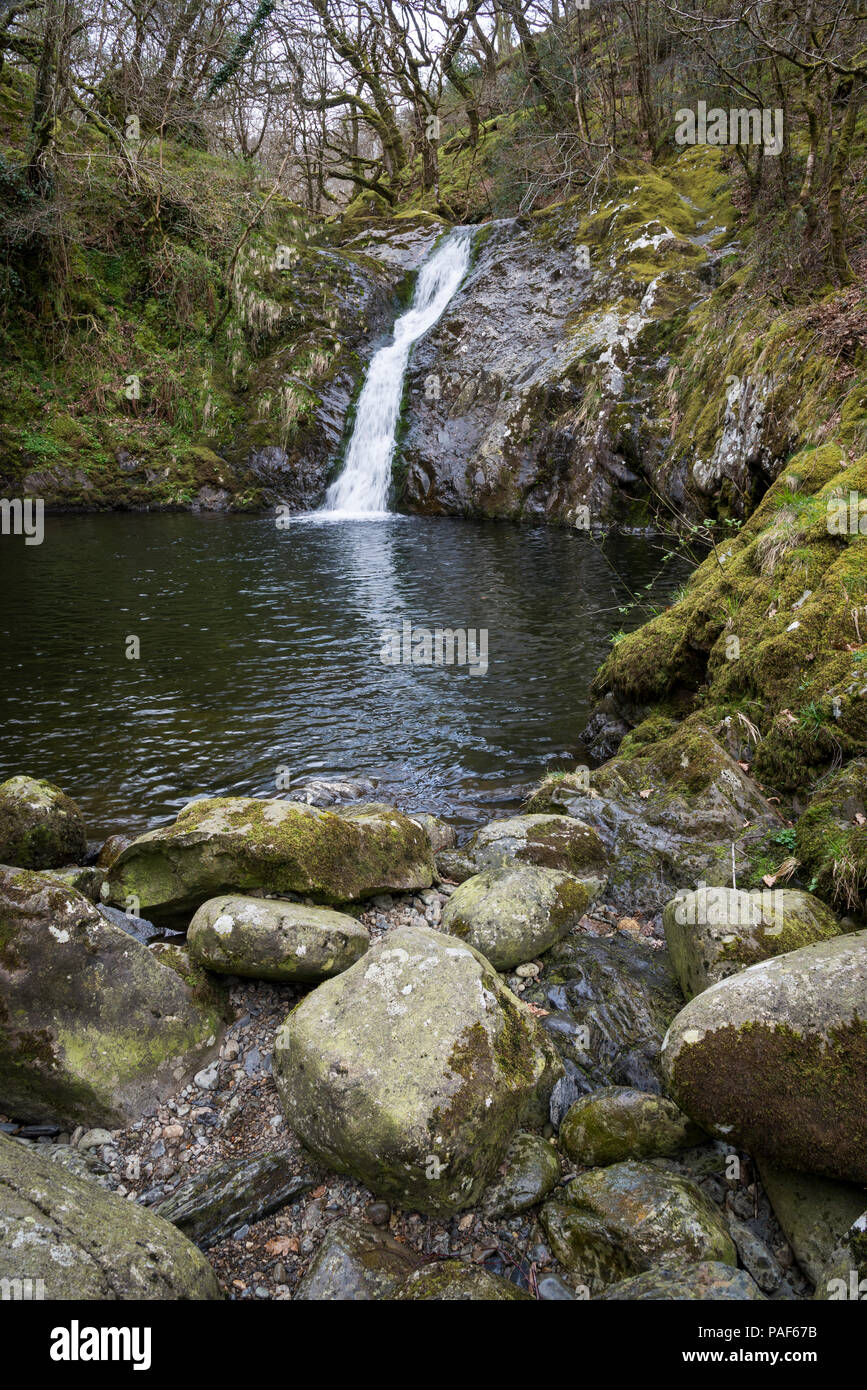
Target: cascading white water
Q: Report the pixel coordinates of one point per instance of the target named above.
(363, 486)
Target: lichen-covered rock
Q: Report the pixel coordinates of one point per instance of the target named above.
(86, 1244)
(515, 913)
(845, 1276)
(237, 843)
(528, 1173)
(442, 836)
(815, 1213)
(40, 826)
(92, 1025)
(715, 932)
(618, 1123)
(707, 1280)
(453, 1281)
(774, 1059)
(655, 1216)
(552, 842)
(212, 1204)
(668, 811)
(413, 1069)
(270, 939)
(593, 1255)
(356, 1263)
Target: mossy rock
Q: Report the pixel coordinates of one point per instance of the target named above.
(40, 826)
(703, 1281)
(356, 1263)
(774, 1058)
(413, 1069)
(86, 1244)
(453, 1281)
(237, 843)
(815, 1213)
(831, 837)
(715, 932)
(551, 842)
(529, 1171)
(93, 1026)
(270, 939)
(619, 1123)
(513, 914)
(592, 1255)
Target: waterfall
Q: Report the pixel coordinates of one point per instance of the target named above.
(363, 486)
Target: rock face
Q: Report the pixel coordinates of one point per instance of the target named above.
(552, 842)
(92, 1025)
(212, 1204)
(619, 1123)
(513, 914)
(87, 1244)
(453, 1281)
(40, 827)
(413, 1070)
(707, 1281)
(715, 932)
(775, 1058)
(627, 1218)
(356, 1263)
(236, 843)
(268, 939)
(667, 811)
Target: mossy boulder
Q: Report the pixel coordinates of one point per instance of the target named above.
(668, 813)
(413, 1069)
(552, 842)
(93, 1026)
(774, 1058)
(530, 1170)
(356, 1263)
(513, 914)
(636, 1216)
(592, 1255)
(704, 1281)
(618, 1123)
(831, 837)
(442, 836)
(715, 932)
(270, 939)
(453, 1281)
(40, 826)
(815, 1213)
(236, 843)
(86, 1244)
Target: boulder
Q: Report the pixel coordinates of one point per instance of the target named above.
(237, 843)
(618, 1123)
(707, 1281)
(552, 842)
(270, 939)
(82, 1243)
(356, 1263)
(715, 932)
(513, 914)
(93, 1027)
(40, 826)
(774, 1058)
(815, 1214)
(212, 1204)
(453, 1281)
(441, 835)
(529, 1171)
(593, 1256)
(413, 1069)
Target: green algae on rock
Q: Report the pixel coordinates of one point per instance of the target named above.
(529, 1171)
(715, 932)
(238, 843)
(514, 913)
(552, 842)
(454, 1281)
(40, 826)
(704, 1281)
(774, 1059)
(93, 1025)
(618, 1123)
(413, 1069)
(82, 1243)
(271, 939)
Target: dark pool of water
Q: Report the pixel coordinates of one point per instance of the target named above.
(261, 649)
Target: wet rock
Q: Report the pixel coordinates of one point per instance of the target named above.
(715, 932)
(237, 843)
(87, 1244)
(706, 1280)
(815, 1213)
(774, 1059)
(529, 1171)
(40, 826)
(618, 1123)
(592, 1254)
(452, 1281)
(441, 835)
(93, 1027)
(551, 842)
(319, 791)
(413, 1069)
(755, 1256)
(552, 1289)
(211, 1205)
(356, 1262)
(137, 927)
(269, 939)
(513, 914)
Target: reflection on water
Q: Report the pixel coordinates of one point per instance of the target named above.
(260, 648)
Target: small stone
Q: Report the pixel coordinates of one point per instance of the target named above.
(94, 1139)
(379, 1213)
(208, 1077)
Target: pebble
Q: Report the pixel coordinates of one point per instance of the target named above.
(207, 1078)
